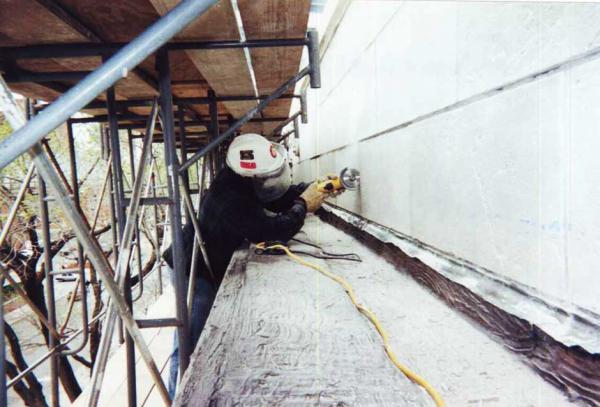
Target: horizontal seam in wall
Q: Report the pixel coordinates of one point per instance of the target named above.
(552, 69)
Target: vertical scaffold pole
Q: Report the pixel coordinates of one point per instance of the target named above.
(171, 161)
(117, 173)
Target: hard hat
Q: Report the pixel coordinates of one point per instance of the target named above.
(253, 156)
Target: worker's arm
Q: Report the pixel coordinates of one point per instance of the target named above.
(189, 234)
(256, 225)
(287, 200)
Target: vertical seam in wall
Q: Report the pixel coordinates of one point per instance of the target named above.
(567, 193)
(540, 175)
(341, 77)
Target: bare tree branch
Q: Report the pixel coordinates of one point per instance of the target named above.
(87, 174)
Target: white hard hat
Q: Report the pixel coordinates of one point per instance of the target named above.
(252, 155)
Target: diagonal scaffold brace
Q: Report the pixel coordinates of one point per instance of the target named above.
(16, 118)
(123, 259)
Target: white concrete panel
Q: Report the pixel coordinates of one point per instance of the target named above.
(553, 123)
(349, 158)
(362, 23)
(502, 41)
(583, 186)
(348, 114)
(475, 183)
(416, 62)
(385, 180)
(509, 182)
(309, 132)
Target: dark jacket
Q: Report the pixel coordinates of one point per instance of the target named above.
(230, 213)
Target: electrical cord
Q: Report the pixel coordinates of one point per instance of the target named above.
(328, 255)
(439, 402)
(316, 256)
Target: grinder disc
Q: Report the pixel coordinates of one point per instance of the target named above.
(350, 178)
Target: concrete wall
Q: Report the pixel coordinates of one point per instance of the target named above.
(464, 140)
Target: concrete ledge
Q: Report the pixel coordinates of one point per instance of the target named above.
(280, 334)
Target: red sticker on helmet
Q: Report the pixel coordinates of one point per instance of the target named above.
(273, 151)
(248, 165)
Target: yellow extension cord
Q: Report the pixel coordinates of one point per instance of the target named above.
(370, 316)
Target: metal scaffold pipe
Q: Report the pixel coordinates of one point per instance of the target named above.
(101, 79)
(245, 118)
(82, 231)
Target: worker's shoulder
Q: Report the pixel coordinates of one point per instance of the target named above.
(229, 195)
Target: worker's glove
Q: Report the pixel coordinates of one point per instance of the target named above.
(328, 177)
(313, 197)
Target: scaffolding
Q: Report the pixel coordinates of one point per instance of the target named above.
(185, 152)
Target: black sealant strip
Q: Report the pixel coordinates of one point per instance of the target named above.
(567, 323)
(550, 70)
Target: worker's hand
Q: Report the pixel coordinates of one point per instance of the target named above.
(329, 177)
(326, 177)
(313, 197)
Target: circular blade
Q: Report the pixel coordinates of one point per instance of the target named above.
(350, 178)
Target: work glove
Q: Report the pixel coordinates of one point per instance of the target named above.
(313, 197)
(327, 177)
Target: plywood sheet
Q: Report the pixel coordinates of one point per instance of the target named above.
(226, 71)
(194, 72)
(119, 21)
(60, 64)
(113, 20)
(273, 66)
(26, 22)
(35, 91)
(30, 23)
(131, 87)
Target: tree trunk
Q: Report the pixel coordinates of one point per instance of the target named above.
(34, 288)
(95, 328)
(33, 393)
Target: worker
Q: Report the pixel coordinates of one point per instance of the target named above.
(252, 199)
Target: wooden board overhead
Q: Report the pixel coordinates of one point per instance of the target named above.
(194, 72)
(113, 21)
(226, 71)
(27, 22)
(35, 91)
(269, 19)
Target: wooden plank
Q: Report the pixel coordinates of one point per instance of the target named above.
(273, 66)
(35, 91)
(117, 21)
(26, 22)
(113, 20)
(30, 23)
(225, 70)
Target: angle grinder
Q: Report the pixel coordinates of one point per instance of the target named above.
(348, 179)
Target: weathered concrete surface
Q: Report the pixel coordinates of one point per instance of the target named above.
(281, 334)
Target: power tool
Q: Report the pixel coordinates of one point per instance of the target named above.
(348, 179)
